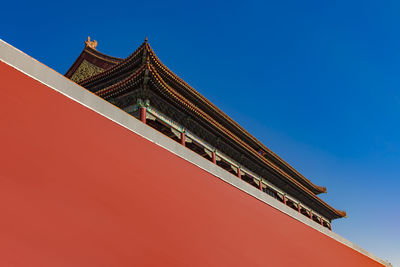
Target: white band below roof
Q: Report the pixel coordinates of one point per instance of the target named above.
(26, 64)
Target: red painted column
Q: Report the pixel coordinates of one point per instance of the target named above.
(214, 158)
(330, 226)
(298, 207)
(239, 174)
(310, 214)
(183, 139)
(322, 222)
(143, 114)
(260, 186)
(284, 199)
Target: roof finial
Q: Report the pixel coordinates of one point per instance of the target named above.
(146, 39)
(91, 44)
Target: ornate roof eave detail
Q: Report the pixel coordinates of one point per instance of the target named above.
(93, 53)
(188, 105)
(317, 189)
(146, 63)
(124, 63)
(121, 85)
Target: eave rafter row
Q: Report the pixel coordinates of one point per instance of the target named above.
(145, 60)
(188, 105)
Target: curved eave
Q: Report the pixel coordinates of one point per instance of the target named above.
(310, 190)
(118, 67)
(103, 56)
(121, 85)
(179, 99)
(135, 79)
(314, 188)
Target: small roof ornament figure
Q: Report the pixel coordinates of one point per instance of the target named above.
(91, 44)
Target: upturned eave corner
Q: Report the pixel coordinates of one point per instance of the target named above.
(322, 189)
(143, 64)
(166, 71)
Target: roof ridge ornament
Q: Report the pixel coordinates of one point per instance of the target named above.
(146, 39)
(91, 44)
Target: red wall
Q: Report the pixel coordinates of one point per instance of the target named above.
(77, 189)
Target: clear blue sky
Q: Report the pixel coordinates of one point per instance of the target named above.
(316, 81)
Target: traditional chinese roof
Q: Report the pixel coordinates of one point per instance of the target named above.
(90, 62)
(144, 69)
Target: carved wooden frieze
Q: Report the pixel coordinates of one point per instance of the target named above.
(84, 71)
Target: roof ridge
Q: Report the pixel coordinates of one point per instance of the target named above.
(105, 57)
(151, 63)
(230, 120)
(104, 91)
(117, 66)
